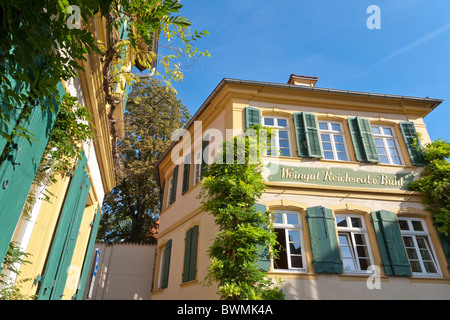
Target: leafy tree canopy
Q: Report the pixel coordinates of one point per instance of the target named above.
(131, 210)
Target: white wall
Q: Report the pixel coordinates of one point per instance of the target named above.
(125, 272)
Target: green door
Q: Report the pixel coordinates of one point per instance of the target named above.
(63, 245)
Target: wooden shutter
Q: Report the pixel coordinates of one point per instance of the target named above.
(307, 135)
(166, 267)
(88, 255)
(263, 250)
(205, 151)
(324, 243)
(363, 141)
(173, 193)
(63, 244)
(186, 169)
(190, 255)
(252, 117)
(410, 135)
(393, 253)
(161, 195)
(19, 168)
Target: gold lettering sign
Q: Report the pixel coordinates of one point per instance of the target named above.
(340, 177)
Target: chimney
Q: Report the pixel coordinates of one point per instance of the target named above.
(306, 81)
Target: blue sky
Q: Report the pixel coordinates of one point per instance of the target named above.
(268, 40)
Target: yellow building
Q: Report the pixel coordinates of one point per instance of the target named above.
(348, 227)
(59, 235)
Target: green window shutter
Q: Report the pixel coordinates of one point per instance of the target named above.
(88, 255)
(263, 251)
(161, 195)
(173, 194)
(410, 135)
(205, 151)
(390, 242)
(19, 168)
(300, 134)
(307, 135)
(64, 240)
(166, 267)
(363, 141)
(190, 255)
(324, 243)
(193, 255)
(186, 170)
(252, 117)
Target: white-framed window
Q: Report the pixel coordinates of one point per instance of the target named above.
(197, 167)
(291, 247)
(332, 136)
(281, 144)
(169, 191)
(161, 267)
(387, 144)
(353, 243)
(418, 246)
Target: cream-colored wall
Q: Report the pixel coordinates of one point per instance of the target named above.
(124, 272)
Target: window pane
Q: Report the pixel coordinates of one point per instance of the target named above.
(326, 146)
(295, 248)
(323, 126)
(362, 251)
(343, 240)
(340, 148)
(387, 131)
(335, 127)
(375, 130)
(390, 143)
(268, 121)
(403, 224)
(381, 150)
(364, 263)
(393, 152)
(415, 266)
(328, 155)
(338, 139)
(281, 262)
(378, 142)
(346, 252)
(282, 122)
(325, 137)
(285, 152)
(284, 144)
(292, 218)
(341, 222)
(359, 238)
(417, 225)
(294, 236)
(342, 156)
(384, 159)
(296, 262)
(430, 267)
(412, 254)
(396, 160)
(278, 218)
(282, 134)
(356, 222)
(349, 264)
(408, 241)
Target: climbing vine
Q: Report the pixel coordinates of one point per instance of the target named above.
(230, 188)
(434, 182)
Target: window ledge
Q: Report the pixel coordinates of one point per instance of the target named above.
(189, 283)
